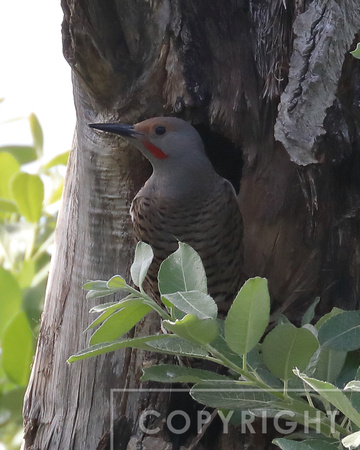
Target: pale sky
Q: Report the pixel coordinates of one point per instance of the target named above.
(34, 76)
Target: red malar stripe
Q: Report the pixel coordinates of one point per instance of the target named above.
(156, 151)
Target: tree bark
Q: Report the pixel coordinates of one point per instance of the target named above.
(223, 66)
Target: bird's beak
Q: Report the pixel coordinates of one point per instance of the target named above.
(127, 131)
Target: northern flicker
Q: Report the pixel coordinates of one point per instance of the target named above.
(185, 200)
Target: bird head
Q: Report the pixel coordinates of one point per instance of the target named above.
(162, 140)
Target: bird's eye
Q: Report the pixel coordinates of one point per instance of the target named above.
(160, 130)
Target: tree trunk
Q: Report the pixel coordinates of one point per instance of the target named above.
(223, 66)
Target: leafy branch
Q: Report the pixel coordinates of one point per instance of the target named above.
(28, 211)
(290, 369)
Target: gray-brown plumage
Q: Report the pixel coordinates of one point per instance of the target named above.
(185, 200)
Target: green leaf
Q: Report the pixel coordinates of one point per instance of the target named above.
(334, 312)
(329, 364)
(354, 388)
(17, 349)
(5, 416)
(269, 378)
(12, 400)
(353, 385)
(119, 323)
(194, 302)
(287, 444)
(182, 271)
(102, 307)
(111, 308)
(56, 193)
(96, 285)
(143, 258)
(168, 344)
(100, 288)
(333, 395)
(231, 395)
(310, 312)
(27, 273)
(341, 332)
(248, 316)
(24, 154)
(37, 134)
(174, 345)
(99, 294)
(8, 168)
(116, 282)
(193, 329)
(107, 347)
(356, 52)
(28, 192)
(281, 319)
(221, 346)
(286, 347)
(10, 298)
(7, 206)
(169, 373)
(308, 444)
(353, 440)
(58, 160)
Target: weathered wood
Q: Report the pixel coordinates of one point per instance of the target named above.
(315, 69)
(222, 66)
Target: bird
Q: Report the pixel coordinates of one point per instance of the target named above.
(185, 200)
